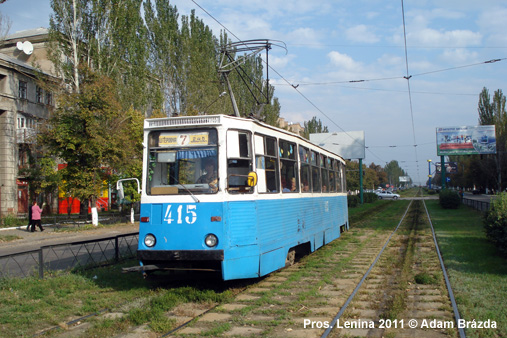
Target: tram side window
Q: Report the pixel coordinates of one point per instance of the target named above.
(288, 166)
(239, 161)
(306, 180)
(315, 160)
(324, 173)
(343, 179)
(332, 175)
(266, 164)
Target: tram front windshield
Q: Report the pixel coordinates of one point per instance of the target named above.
(182, 162)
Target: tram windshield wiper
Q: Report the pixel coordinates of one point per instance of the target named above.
(187, 190)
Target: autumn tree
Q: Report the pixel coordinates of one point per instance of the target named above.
(149, 60)
(93, 135)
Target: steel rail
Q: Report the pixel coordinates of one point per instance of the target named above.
(447, 282)
(344, 307)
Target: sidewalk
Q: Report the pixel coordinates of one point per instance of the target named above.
(51, 236)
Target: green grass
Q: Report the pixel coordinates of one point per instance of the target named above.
(477, 273)
(12, 221)
(30, 304)
(478, 276)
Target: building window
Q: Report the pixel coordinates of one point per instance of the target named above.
(39, 95)
(26, 122)
(21, 122)
(49, 98)
(22, 89)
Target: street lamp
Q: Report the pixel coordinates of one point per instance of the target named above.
(429, 174)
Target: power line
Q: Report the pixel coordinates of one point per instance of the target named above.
(284, 79)
(400, 77)
(408, 84)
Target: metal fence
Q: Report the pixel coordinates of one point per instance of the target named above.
(67, 256)
(79, 220)
(478, 205)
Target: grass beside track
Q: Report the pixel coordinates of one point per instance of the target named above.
(477, 273)
(478, 276)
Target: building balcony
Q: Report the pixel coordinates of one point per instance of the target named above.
(26, 135)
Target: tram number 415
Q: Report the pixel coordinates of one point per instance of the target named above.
(189, 215)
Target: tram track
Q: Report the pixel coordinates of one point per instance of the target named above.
(320, 285)
(388, 295)
(186, 314)
(403, 308)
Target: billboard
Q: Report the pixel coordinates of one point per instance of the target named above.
(404, 179)
(469, 140)
(450, 167)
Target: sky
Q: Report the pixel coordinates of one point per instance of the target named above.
(346, 63)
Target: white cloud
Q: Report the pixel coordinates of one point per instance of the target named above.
(459, 56)
(343, 61)
(280, 62)
(493, 23)
(303, 35)
(361, 33)
(429, 37)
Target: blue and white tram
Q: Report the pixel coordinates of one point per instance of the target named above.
(235, 195)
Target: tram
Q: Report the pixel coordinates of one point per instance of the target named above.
(235, 195)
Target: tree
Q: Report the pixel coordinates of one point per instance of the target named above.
(314, 126)
(165, 53)
(394, 171)
(381, 176)
(5, 26)
(493, 113)
(67, 36)
(91, 133)
(352, 175)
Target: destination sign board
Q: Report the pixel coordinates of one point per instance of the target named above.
(182, 139)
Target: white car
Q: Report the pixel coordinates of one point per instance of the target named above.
(387, 194)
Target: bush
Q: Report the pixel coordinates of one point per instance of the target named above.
(352, 201)
(370, 197)
(495, 223)
(11, 221)
(449, 199)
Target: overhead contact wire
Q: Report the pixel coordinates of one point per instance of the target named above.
(284, 79)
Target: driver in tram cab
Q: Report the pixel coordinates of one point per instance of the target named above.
(210, 175)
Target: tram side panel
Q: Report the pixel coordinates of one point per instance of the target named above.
(241, 255)
(286, 223)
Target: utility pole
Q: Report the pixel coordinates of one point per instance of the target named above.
(429, 174)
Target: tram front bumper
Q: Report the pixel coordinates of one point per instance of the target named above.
(180, 255)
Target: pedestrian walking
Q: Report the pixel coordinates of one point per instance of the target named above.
(28, 227)
(36, 216)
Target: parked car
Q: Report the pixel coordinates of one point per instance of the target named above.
(387, 194)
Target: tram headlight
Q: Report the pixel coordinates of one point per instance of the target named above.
(211, 240)
(149, 240)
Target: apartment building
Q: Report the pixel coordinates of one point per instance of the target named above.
(26, 76)
(290, 126)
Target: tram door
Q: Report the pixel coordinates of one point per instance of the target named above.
(242, 213)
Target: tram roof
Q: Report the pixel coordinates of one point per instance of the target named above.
(216, 120)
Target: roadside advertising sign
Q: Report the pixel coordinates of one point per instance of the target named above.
(468, 140)
(450, 167)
